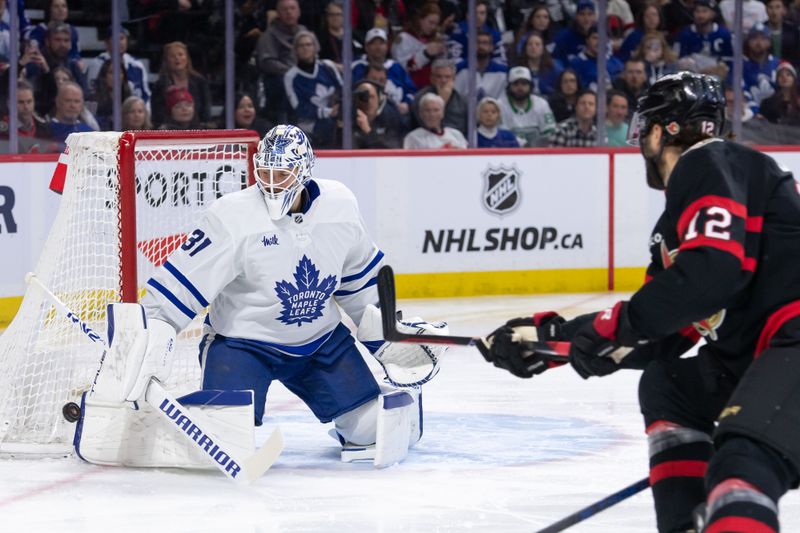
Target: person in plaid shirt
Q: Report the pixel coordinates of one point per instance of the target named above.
(579, 131)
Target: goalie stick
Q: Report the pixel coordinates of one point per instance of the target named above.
(555, 351)
(243, 470)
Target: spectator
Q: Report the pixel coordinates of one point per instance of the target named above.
(783, 107)
(177, 70)
(759, 67)
(135, 115)
(753, 12)
(67, 116)
(102, 97)
(377, 74)
(33, 132)
(313, 87)
(330, 36)
(620, 19)
(275, 56)
(565, 96)
(632, 82)
(399, 86)
(649, 20)
(527, 115)
(579, 131)
(63, 75)
(785, 35)
(538, 22)
(585, 63)
(433, 134)
(443, 77)
(249, 23)
(384, 14)
(616, 117)
(40, 64)
(55, 11)
(489, 134)
(705, 44)
(246, 117)
(5, 31)
(416, 48)
(378, 123)
(135, 71)
(678, 14)
(457, 38)
(659, 60)
(181, 109)
(572, 40)
(491, 75)
(544, 69)
(747, 112)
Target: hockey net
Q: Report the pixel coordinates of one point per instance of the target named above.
(129, 200)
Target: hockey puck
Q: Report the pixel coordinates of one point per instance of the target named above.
(71, 411)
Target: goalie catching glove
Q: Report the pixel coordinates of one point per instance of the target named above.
(405, 364)
(509, 346)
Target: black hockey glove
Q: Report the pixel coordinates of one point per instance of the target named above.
(508, 347)
(599, 346)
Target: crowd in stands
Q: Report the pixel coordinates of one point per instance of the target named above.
(536, 70)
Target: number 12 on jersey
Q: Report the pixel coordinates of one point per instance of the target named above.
(196, 241)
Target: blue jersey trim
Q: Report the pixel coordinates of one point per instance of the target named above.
(370, 283)
(186, 283)
(301, 350)
(372, 346)
(313, 193)
(171, 297)
(217, 397)
(366, 270)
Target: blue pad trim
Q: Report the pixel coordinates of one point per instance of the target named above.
(218, 397)
(397, 400)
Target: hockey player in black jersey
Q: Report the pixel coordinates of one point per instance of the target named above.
(723, 427)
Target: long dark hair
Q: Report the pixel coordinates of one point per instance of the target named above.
(547, 64)
(557, 88)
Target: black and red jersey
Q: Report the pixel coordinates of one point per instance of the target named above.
(725, 252)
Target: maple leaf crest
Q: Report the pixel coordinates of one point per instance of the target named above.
(305, 300)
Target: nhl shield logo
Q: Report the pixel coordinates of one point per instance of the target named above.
(501, 194)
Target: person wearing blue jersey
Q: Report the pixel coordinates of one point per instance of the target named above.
(313, 87)
(398, 86)
(491, 75)
(649, 20)
(585, 63)
(276, 263)
(759, 66)
(457, 38)
(572, 40)
(705, 42)
(490, 135)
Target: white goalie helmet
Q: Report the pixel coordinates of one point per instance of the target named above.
(282, 166)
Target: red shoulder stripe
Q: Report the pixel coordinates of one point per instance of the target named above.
(734, 207)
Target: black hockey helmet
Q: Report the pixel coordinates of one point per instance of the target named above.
(685, 101)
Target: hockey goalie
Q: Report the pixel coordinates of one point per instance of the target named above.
(274, 264)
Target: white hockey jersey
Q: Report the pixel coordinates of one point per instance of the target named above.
(275, 282)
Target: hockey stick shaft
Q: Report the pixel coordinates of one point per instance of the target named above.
(593, 509)
(555, 351)
(189, 425)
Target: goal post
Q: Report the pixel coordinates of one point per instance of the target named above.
(129, 200)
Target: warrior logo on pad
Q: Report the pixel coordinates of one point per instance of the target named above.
(305, 300)
(501, 194)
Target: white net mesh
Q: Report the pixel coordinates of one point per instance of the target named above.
(46, 360)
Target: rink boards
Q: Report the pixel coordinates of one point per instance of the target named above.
(452, 223)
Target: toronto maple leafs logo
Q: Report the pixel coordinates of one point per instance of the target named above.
(305, 301)
(280, 144)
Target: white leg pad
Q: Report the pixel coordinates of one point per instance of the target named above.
(110, 433)
(399, 426)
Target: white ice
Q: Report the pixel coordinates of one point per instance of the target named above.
(499, 454)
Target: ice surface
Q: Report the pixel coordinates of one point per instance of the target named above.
(499, 454)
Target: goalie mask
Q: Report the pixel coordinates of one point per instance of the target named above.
(282, 167)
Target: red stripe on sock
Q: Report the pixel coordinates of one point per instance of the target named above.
(738, 524)
(677, 469)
